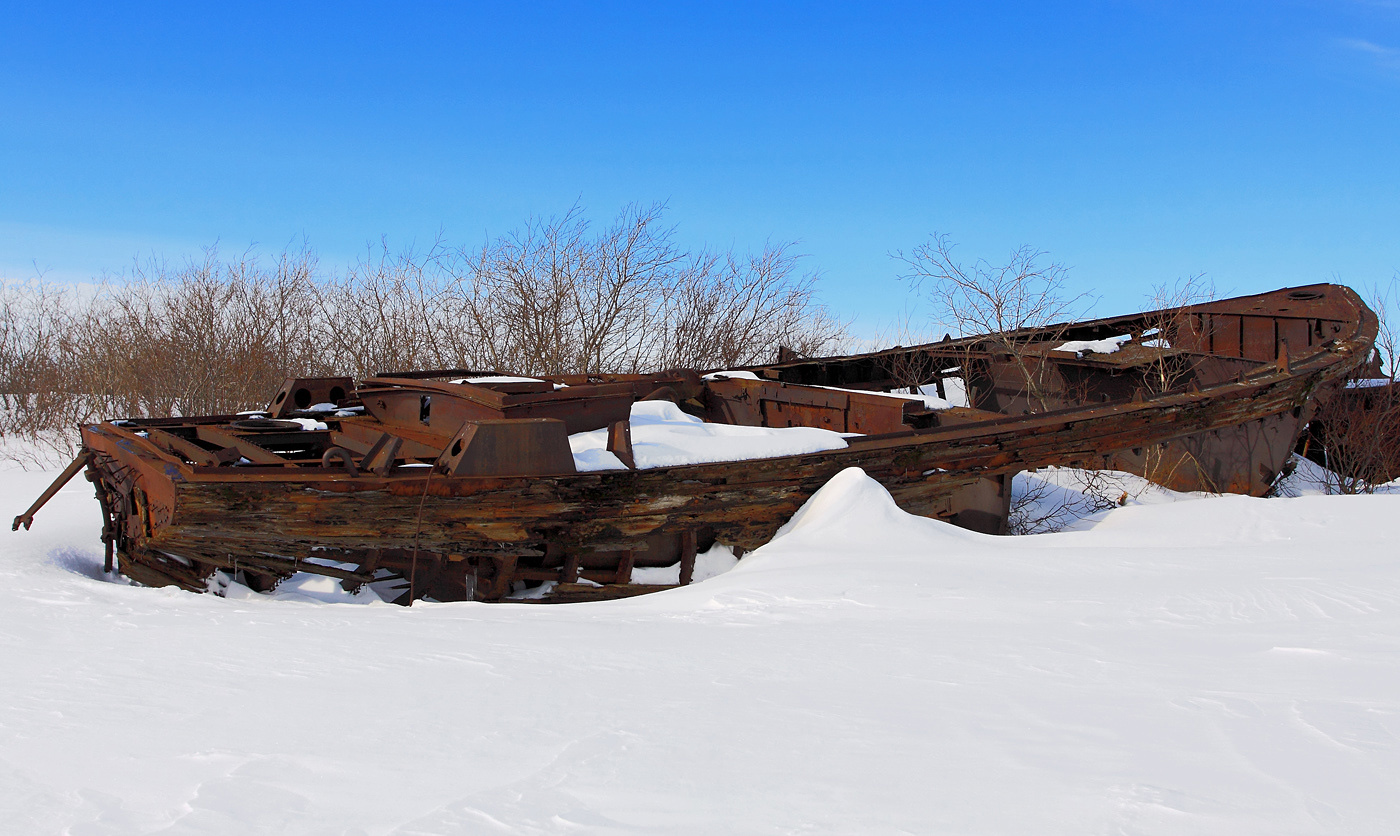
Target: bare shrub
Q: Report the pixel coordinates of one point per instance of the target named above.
(1167, 370)
(1358, 428)
(379, 316)
(557, 297)
(1167, 323)
(34, 318)
(999, 301)
(729, 310)
(1050, 499)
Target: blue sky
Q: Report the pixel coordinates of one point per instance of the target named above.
(1137, 142)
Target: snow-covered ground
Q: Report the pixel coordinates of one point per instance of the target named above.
(1176, 665)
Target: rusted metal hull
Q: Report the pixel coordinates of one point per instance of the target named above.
(176, 512)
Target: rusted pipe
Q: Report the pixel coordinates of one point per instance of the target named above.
(346, 461)
(27, 518)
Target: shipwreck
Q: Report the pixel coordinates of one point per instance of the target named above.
(463, 485)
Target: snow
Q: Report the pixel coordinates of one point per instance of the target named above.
(505, 378)
(1370, 383)
(497, 378)
(1108, 345)
(1188, 664)
(663, 436)
(708, 564)
(924, 393)
(931, 401)
(307, 587)
(1310, 479)
(307, 423)
(724, 375)
(1066, 499)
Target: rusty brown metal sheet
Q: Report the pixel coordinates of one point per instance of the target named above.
(1226, 335)
(1296, 333)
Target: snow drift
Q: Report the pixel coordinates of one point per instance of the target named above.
(1215, 665)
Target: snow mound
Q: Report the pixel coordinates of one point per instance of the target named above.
(849, 502)
(307, 423)
(664, 436)
(851, 524)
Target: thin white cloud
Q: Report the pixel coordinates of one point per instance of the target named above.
(1367, 46)
(1383, 57)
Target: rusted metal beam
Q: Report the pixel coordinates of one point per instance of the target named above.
(245, 448)
(27, 518)
(188, 449)
(382, 454)
(688, 550)
(625, 562)
(620, 443)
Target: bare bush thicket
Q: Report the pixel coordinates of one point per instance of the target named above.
(556, 296)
